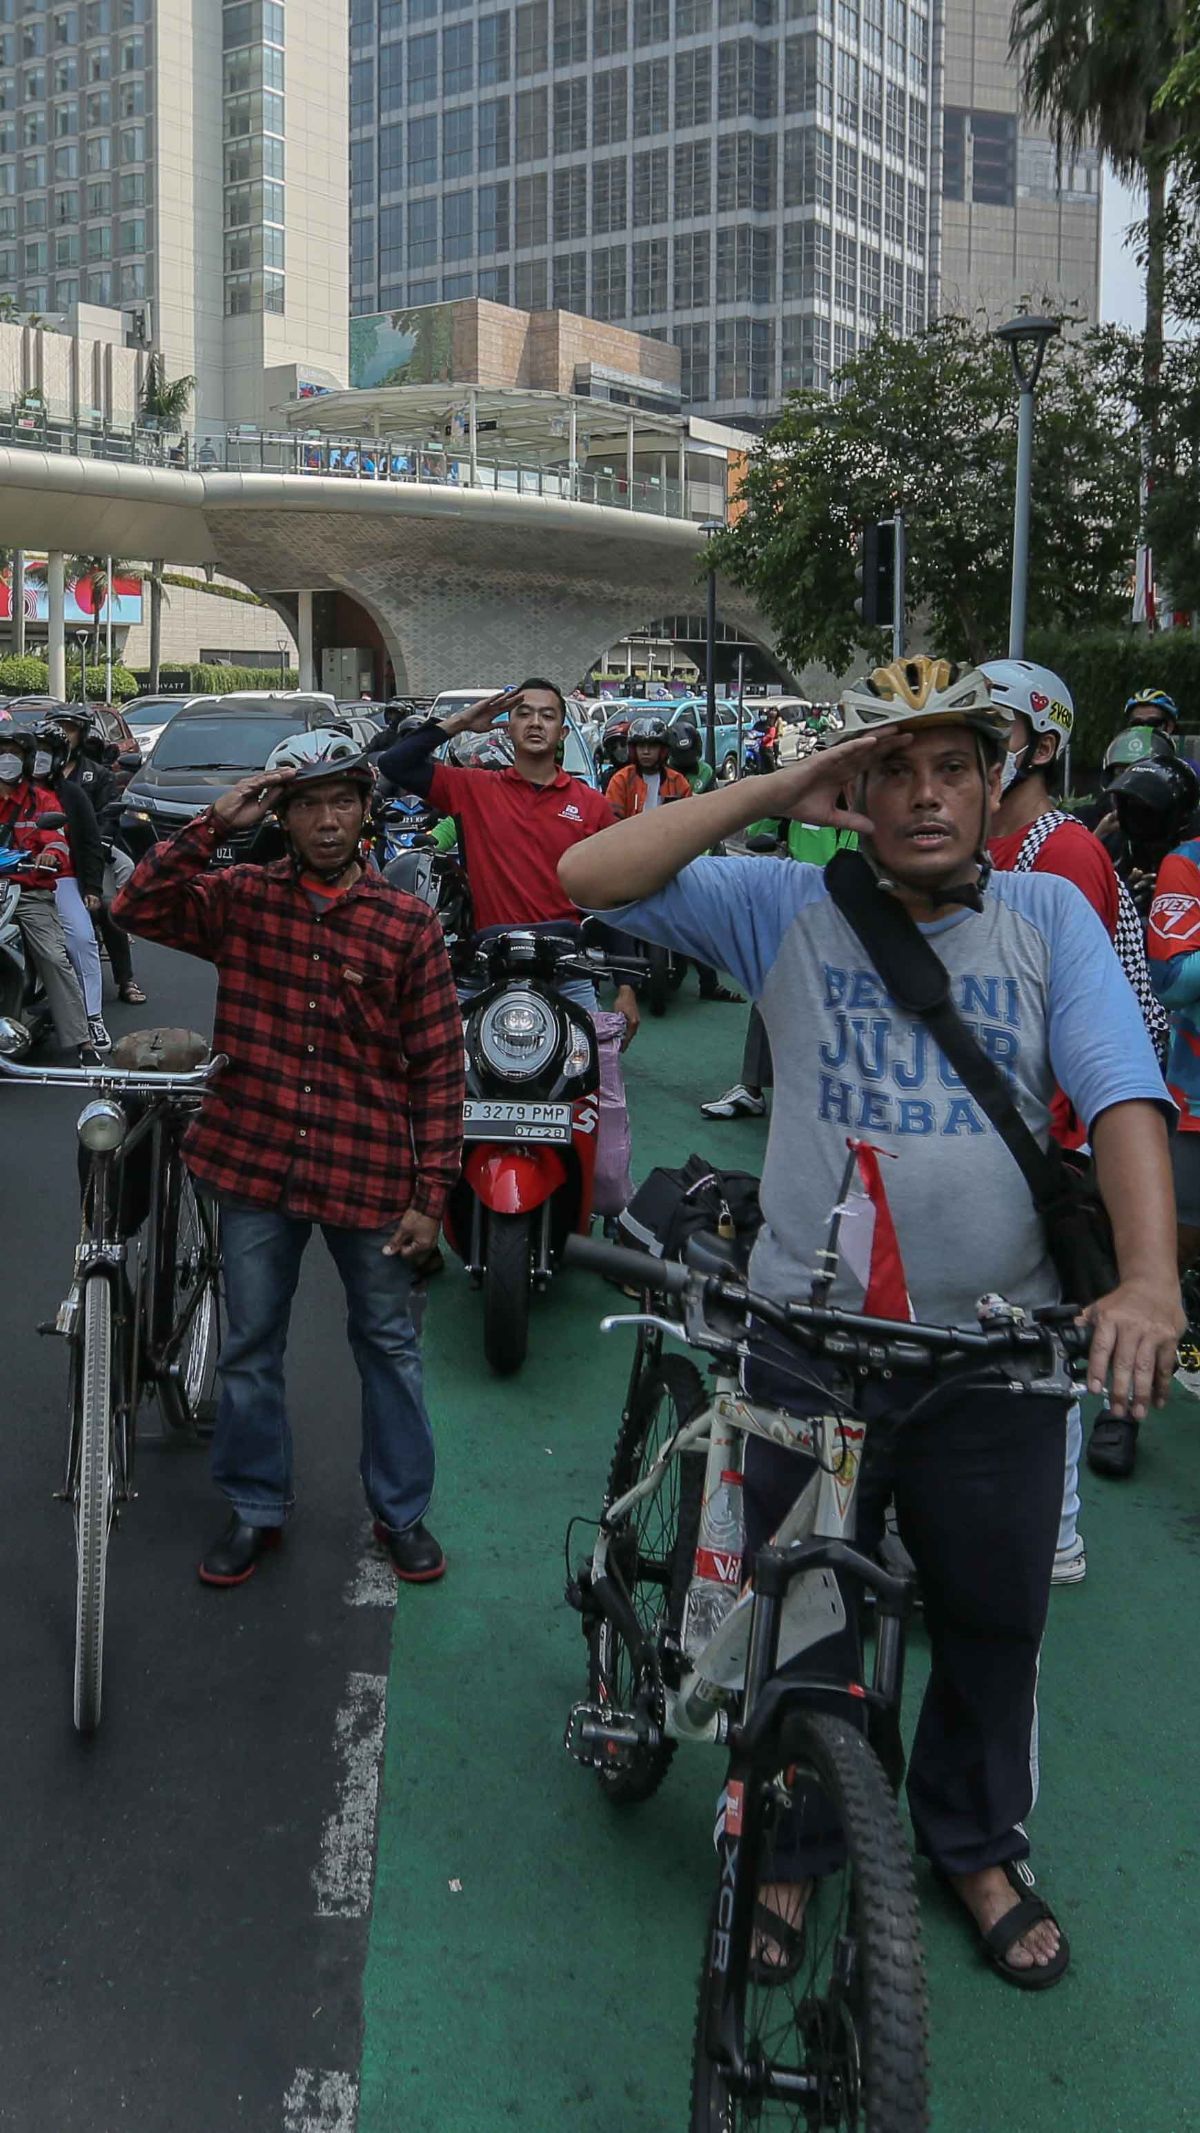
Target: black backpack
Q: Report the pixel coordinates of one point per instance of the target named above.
(669, 1206)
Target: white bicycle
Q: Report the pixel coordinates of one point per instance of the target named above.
(822, 2024)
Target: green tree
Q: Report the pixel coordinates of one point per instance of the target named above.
(165, 403)
(1097, 69)
(929, 423)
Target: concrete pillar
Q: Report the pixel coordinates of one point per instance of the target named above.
(473, 435)
(629, 460)
(304, 639)
(57, 678)
(17, 582)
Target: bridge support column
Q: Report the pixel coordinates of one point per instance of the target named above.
(304, 639)
(56, 680)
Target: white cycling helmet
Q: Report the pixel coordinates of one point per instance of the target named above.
(915, 693)
(1036, 692)
(319, 754)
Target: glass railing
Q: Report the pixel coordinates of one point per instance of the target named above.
(245, 451)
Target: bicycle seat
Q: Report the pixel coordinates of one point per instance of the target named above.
(160, 1051)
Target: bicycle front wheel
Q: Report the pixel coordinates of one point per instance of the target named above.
(93, 1493)
(833, 2035)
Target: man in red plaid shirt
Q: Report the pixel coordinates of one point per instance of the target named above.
(341, 1104)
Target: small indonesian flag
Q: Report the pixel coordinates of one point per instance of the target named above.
(867, 1237)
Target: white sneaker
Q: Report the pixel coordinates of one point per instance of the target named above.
(737, 1102)
(1070, 1563)
(98, 1035)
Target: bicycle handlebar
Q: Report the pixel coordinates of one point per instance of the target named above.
(115, 1080)
(838, 1333)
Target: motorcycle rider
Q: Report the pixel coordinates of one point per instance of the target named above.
(341, 1105)
(978, 1484)
(21, 801)
(1166, 796)
(513, 826)
(685, 752)
(647, 779)
(85, 770)
(78, 890)
(613, 753)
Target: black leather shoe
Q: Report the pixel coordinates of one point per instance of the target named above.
(1112, 1446)
(233, 1556)
(414, 1554)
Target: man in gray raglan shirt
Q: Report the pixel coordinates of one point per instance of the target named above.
(977, 1484)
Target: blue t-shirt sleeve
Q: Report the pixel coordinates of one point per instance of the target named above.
(731, 912)
(1099, 1047)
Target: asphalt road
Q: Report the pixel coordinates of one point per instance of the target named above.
(184, 1897)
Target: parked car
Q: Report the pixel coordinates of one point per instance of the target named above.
(204, 750)
(147, 715)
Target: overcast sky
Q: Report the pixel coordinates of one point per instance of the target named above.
(1121, 295)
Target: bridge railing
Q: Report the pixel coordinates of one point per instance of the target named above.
(358, 459)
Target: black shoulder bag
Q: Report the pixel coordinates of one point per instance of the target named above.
(1079, 1235)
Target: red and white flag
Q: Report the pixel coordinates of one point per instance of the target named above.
(867, 1237)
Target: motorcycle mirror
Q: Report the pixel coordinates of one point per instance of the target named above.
(50, 822)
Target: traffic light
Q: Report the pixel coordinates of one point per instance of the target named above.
(876, 574)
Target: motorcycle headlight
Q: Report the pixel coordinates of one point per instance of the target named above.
(579, 1051)
(102, 1125)
(518, 1035)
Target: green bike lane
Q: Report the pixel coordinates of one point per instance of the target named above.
(533, 1953)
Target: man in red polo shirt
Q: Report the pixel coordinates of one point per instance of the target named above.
(513, 825)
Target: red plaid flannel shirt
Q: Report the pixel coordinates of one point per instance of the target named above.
(343, 1098)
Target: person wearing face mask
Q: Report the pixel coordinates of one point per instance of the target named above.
(79, 888)
(72, 735)
(1033, 835)
(22, 800)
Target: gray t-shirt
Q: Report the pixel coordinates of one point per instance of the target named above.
(1034, 977)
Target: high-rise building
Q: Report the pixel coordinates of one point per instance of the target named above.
(1017, 225)
(183, 161)
(750, 179)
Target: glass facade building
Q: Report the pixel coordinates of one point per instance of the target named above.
(751, 179)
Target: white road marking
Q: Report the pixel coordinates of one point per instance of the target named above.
(320, 2102)
(342, 1877)
(373, 1581)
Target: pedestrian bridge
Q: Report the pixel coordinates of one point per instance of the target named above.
(472, 568)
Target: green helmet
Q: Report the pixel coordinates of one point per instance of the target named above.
(1138, 744)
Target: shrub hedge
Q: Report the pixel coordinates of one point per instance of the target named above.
(1103, 668)
(31, 677)
(214, 681)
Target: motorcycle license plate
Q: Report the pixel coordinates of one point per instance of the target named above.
(490, 1120)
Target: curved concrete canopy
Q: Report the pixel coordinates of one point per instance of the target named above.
(467, 585)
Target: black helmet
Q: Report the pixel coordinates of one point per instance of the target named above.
(19, 739)
(412, 721)
(646, 728)
(53, 741)
(683, 741)
(1155, 800)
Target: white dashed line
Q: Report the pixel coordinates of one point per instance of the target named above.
(320, 2102)
(373, 1581)
(343, 1875)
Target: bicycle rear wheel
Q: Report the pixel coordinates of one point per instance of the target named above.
(93, 1496)
(847, 2029)
(187, 1338)
(651, 1558)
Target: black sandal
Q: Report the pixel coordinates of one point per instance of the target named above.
(788, 1939)
(1030, 1911)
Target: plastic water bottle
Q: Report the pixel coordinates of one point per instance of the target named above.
(718, 1566)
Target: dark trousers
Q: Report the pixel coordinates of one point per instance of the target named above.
(116, 940)
(757, 1071)
(977, 1483)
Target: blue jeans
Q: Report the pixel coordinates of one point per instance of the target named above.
(252, 1445)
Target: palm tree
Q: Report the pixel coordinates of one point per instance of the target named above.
(99, 573)
(165, 404)
(1095, 69)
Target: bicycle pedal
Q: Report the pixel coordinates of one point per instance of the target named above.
(49, 1326)
(596, 1734)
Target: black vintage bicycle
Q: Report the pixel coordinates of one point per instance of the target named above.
(142, 1313)
(811, 2012)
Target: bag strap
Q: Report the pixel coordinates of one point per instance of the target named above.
(918, 982)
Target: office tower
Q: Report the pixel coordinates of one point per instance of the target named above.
(183, 162)
(748, 178)
(1015, 225)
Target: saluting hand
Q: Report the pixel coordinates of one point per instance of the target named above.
(813, 789)
(251, 799)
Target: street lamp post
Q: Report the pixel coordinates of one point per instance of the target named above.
(81, 639)
(1027, 339)
(283, 651)
(708, 527)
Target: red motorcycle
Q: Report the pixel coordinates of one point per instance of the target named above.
(530, 1121)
